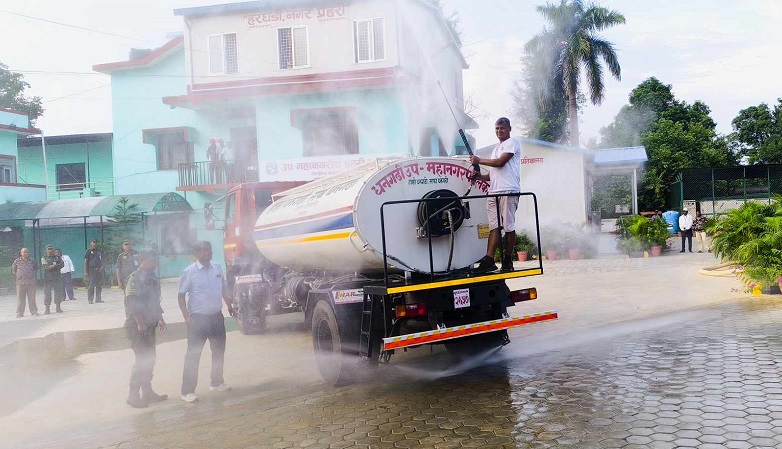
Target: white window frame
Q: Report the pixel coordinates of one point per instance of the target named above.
(293, 48)
(223, 54)
(371, 41)
(10, 163)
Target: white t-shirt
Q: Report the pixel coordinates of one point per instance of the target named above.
(507, 177)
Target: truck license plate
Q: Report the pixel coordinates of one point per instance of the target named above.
(461, 298)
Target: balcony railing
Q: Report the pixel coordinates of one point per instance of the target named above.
(80, 190)
(208, 173)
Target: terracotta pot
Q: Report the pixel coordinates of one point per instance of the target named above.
(574, 254)
(522, 255)
(656, 250)
(551, 255)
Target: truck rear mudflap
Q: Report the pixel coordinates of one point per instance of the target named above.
(440, 335)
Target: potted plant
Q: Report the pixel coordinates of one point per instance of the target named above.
(634, 246)
(656, 234)
(524, 246)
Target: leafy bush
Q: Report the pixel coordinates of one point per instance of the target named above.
(633, 245)
(524, 243)
(751, 235)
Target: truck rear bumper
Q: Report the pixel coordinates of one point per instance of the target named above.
(439, 335)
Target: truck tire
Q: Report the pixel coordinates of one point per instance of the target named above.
(249, 319)
(482, 345)
(334, 364)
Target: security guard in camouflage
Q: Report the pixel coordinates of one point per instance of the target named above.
(143, 314)
(127, 263)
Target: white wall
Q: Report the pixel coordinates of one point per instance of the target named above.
(330, 40)
(557, 178)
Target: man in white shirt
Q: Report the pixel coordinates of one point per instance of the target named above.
(504, 177)
(685, 229)
(67, 271)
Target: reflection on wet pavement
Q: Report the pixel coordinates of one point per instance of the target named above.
(712, 380)
(37, 365)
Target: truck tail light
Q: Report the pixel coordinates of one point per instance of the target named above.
(411, 310)
(523, 295)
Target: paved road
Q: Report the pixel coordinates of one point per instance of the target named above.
(647, 353)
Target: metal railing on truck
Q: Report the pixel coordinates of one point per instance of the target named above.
(454, 277)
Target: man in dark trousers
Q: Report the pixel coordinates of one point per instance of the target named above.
(94, 264)
(143, 315)
(202, 291)
(52, 279)
(127, 262)
(685, 229)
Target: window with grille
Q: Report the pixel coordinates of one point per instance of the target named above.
(172, 150)
(369, 40)
(292, 43)
(327, 132)
(8, 169)
(70, 176)
(223, 54)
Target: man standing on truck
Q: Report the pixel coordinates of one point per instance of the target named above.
(504, 167)
(202, 291)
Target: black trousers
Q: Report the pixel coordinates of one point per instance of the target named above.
(143, 345)
(688, 236)
(95, 285)
(199, 329)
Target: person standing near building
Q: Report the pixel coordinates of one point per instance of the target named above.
(213, 158)
(67, 275)
(685, 229)
(143, 314)
(24, 268)
(94, 264)
(52, 279)
(202, 291)
(127, 262)
(504, 177)
(700, 233)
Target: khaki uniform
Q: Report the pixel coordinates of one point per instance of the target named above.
(126, 264)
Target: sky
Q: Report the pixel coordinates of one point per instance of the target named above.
(722, 52)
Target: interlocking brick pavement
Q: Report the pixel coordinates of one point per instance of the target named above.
(705, 376)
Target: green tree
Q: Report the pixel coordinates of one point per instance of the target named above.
(570, 42)
(125, 220)
(647, 102)
(12, 86)
(676, 135)
(757, 133)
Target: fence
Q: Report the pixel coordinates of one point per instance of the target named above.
(718, 190)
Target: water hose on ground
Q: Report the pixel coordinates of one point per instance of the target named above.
(724, 269)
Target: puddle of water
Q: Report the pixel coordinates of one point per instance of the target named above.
(35, 366)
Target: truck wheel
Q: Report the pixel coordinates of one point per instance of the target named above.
(334, 365)
(476, 346)
(250, 320)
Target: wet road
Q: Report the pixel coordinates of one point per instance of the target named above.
(707, 377)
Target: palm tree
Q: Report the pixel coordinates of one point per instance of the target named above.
(571, 41)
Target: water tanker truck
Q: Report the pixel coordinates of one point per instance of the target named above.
(377, 259)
